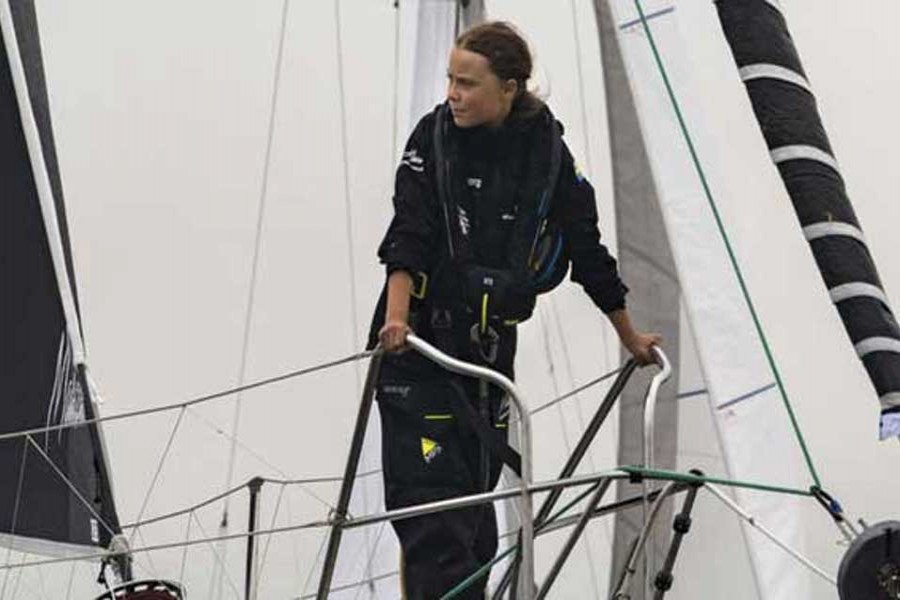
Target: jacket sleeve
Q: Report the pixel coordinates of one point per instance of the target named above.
(411, 240)
(593, 267)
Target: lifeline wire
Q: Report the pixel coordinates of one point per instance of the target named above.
(188, 403)
(588, 481)
(737, 270)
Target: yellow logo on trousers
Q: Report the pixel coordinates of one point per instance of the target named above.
(430, 449)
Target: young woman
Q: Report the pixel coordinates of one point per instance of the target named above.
(490, 211)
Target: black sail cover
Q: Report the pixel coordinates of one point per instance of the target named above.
(54, 488)
(786, 110)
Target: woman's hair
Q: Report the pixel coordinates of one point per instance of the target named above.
(508, 56)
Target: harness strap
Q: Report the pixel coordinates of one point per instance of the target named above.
(466, 414)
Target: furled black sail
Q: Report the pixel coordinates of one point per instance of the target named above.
(786, 110)
(54, 486)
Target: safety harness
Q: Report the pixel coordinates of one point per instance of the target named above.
(535, 260)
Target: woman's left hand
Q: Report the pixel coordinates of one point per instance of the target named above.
(641, 346)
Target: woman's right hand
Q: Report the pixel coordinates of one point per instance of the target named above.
(393, 335)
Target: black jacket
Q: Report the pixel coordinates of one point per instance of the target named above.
(417, 234)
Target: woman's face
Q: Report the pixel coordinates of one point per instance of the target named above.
(476, 95)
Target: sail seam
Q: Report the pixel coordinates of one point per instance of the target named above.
(770, 71)
(649, 16)
(746, 396)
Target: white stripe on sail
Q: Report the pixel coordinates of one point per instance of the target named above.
(769, 71)
(877, 344)
(890, 400)
(775, 4)
(803, 152)
(856, 290)
(42, 182)
(827, 228)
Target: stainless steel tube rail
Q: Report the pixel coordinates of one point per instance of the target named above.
(649, 441)
(631, 567)
(587, 438)
(650, 405)
(343, 503)
(460, 367)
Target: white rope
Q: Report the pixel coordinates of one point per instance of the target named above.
(187, 538)
(368, 570)
(751, 520)
(261, 563)
(206, 422)
(167, 546)
(71, 486)
(260, 220)
(193, 402)
(584, 541)
(207, 541)
(159, 467)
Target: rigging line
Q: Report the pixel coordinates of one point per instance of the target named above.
(169, 545)
(71, 486)
(189, 509)
(261, 564)
(254, 272)
(368, 569)
(315, 563)
(15, 515)
(208, 542)
(395, 99)
(570, 394)
(319, 479)
(348, 218)
(162, 460)
(581, 94)
(187, 538)
(257, 456)
(471, 579)
(150, 567)
(193, 402)
(238, 488)
(731, 255)
(350, 586)
(567, 361)
(584, 543)
(751, 520)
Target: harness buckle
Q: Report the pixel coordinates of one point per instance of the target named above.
(420, 285)
(487, 341)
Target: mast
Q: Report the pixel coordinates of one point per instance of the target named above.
(785, 107)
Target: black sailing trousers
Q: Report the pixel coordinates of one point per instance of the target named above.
(428, 455)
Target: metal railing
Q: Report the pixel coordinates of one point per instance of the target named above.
(524, 567)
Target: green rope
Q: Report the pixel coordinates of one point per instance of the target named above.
(471, 579)
(691, 478)
(731, 255)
